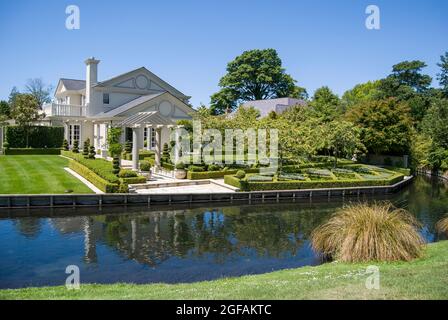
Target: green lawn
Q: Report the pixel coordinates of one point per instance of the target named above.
(425, 278)
(36, 175)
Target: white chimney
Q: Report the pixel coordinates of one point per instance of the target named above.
(91, 76)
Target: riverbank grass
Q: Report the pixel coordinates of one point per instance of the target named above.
(37, 174)
(424, 278)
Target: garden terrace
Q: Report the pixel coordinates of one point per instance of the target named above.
(306, 178)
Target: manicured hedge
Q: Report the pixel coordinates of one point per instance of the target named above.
(91, 176)
(133, 180)
(101, 167)
(38, 137)
(142, 154)
(216, 174)
(293, 185)
(32, 151)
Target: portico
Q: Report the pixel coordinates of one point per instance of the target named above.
(150, 119)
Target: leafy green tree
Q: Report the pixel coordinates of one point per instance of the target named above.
(326, 104)
(443, 75)
(13, 95)
(25, 111)
(39, 90)
(386, 125)
(360, 93)
(5, 109)
(435, 124)
(408, 73)
(343, 139)
(254, 75)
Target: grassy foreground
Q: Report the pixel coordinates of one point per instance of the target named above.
(425, 278)
(37, 174)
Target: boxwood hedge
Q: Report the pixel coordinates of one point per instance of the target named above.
(38, 137)
(91, 176)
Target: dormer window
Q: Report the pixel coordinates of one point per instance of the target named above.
(105, 98)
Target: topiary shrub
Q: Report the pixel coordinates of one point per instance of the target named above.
(180, 166)
(115, 165)
(6, 146)
(65, 145)
(124, 173)
(92, 152)
(442, 226)
(240, 174)
(214, 167)
(363, 232)
(196, 169)
(145, 166)
(76, 146)
(85, 149)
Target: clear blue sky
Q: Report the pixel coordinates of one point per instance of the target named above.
(188, 43)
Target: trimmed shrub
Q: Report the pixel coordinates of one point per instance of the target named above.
(115, 165)
(442, 226)
(319, 184)
(38, 137)
(128, 147)
(133, 180)
(85, 149)
(213, 167)
(101, 167)
(196, 169)
(65, 145)
(361, 233)
(240, 174)
(92, 152)
(145, 166)
(35, 151)
(91, 176)
(151, 161)
(233, 181)
(76, 146)
(124, 173)
(215, 174)
(180, 166)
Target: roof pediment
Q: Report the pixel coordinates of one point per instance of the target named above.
(140, 80)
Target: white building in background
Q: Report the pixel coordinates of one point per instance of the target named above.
(278, 105)
(87, 108)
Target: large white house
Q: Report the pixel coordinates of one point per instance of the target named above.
(139, 101)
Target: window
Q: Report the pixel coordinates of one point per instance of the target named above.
(151, 139)
(105, 98)
(74, 133)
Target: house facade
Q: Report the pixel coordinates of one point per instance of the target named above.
(88, 108)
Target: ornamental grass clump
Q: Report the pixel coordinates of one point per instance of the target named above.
(364, 232)
(442, 226)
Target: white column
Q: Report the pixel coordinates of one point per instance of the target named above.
(176, 146)
(136, 133)
(66, 131)
(158, 150)
(148, 138)
(97, 136)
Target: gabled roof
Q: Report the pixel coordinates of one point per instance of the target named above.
(131, 104)
(138, 101)
(146, 118)
(173, 90)
(73, 84)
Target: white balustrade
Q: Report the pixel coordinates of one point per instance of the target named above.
(64, 110)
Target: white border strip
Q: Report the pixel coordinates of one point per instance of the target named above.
(85, 181)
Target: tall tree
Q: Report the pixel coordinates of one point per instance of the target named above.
(5, 109)
(409, 73)
(25, 111)
(13, 95)
(386, 125)
(360, 93)
(39, 90)
(326, 104)
(254, 75)
(443, 75)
